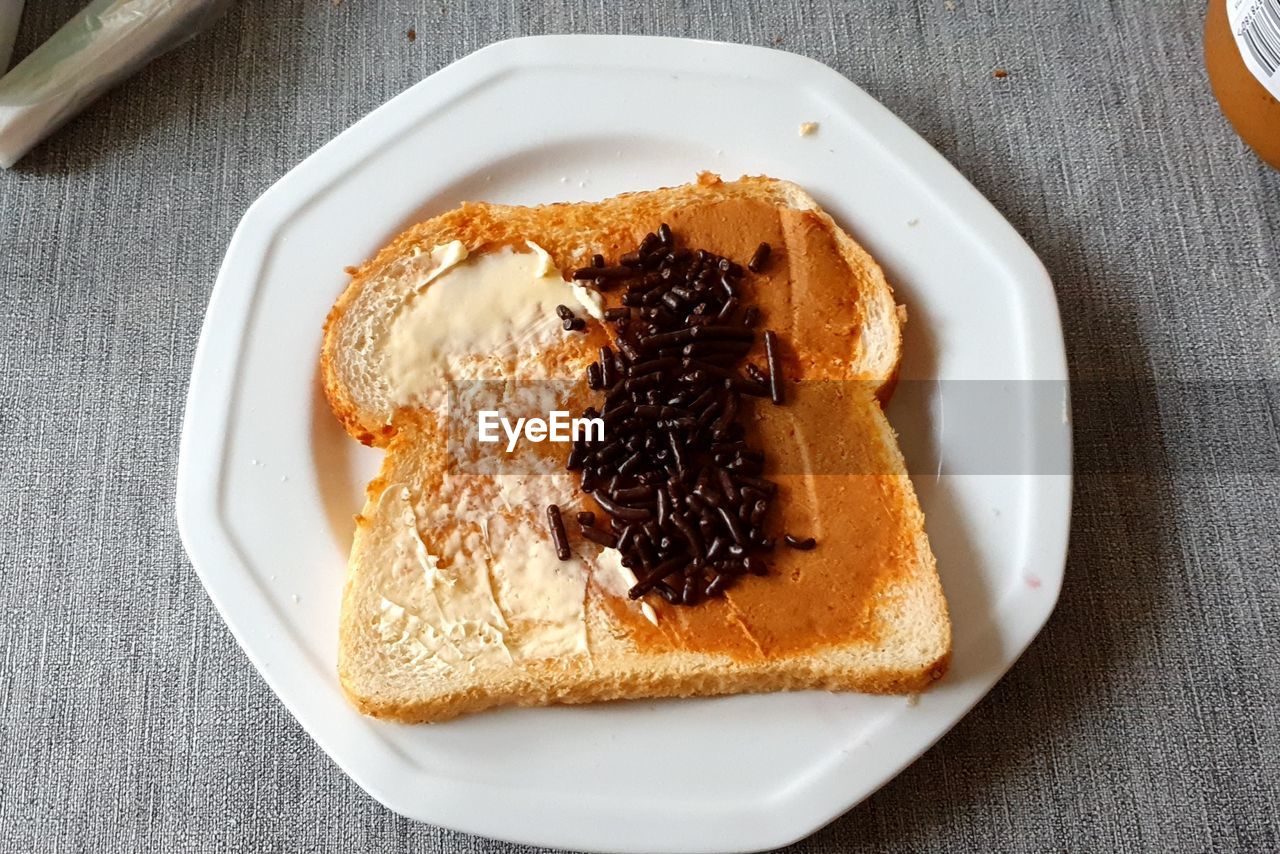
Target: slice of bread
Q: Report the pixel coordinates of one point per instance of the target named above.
(454, 602)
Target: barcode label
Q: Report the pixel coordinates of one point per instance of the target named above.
(1261, 34)
(1256, 26)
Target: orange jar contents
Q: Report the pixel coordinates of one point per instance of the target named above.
(1242, 53)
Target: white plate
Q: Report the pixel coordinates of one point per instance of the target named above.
(268, 483)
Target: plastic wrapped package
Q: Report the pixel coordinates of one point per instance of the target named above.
(10, 14)
(105, 43)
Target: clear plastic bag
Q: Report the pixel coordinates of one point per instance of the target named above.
(104, 44)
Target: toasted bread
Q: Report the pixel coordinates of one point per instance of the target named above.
(451, 604)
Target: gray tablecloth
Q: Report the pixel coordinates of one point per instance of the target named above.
(1143, 718)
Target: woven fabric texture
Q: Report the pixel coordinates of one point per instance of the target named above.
(1142, 718)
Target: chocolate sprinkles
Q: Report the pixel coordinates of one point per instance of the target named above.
(558, 535)
(682, 492)
(759, 258)
(775, 367)
(796, 543)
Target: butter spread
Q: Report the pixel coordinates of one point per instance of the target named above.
(431, 610)
(486, 316)
(490, 591)
(543, 597)
(490, 587)
(616, 579)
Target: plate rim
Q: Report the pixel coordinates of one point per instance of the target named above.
(220, 352)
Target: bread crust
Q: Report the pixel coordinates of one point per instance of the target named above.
(723, 678)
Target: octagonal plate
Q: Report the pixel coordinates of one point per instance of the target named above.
(268, 482)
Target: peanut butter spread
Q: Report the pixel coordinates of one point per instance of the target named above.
(837, 481)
